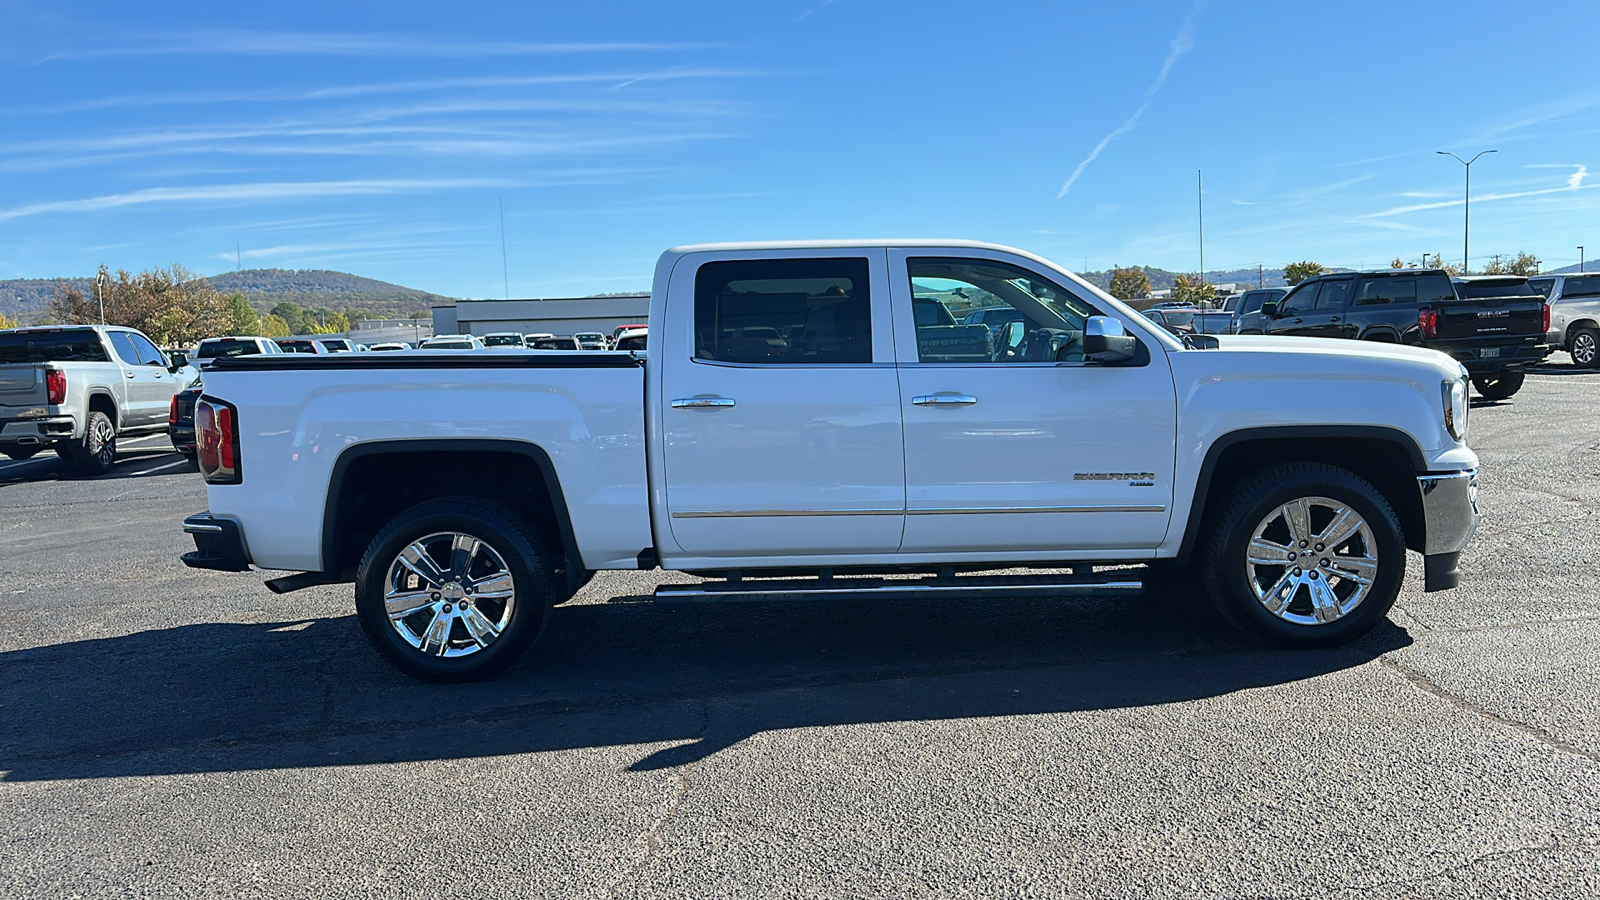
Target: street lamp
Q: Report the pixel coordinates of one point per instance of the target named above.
(1580, 259)
(100, 293)
(1466, 209)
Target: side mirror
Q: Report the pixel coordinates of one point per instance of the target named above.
(1106, 341)
(1269, 308)
(176, 360)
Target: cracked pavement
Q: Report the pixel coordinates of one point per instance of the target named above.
(167, 732)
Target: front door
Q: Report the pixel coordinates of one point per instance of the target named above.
(1014, 442)
(779, 407)
(141, 386)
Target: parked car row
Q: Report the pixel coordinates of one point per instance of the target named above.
(1496, 326)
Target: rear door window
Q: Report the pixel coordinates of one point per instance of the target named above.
(51, 346)
(784, 311)
(1581, 286)
(1543, 285)
(1381, 291)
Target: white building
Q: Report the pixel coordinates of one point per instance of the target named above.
(556, 316)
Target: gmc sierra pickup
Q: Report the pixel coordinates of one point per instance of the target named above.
(76, 388)
(805, 423)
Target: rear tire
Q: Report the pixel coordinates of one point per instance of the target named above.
(97, 452)
(454, 590)
(1584, 346)
(1499, 385)
(1342, 563)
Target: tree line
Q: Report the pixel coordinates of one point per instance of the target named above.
(175, 307)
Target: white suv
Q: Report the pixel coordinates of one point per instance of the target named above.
(1574, 314)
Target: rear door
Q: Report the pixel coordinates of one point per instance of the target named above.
(780, 416)
(1032, 449)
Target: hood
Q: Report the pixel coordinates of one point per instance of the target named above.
(1258, 343)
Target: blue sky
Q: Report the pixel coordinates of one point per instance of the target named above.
(383, 138)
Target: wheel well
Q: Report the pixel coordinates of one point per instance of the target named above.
(371, 484)
(1382, 337)
(1576, 324)
(104, 403)
(1384, 462)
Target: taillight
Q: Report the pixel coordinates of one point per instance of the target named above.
(216, 428)
(55, 387)
(172, 411)
(1428, 321)
(1546, 307)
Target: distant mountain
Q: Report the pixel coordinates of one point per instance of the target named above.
(27, 298)
(1161, 279)
(1588, 268)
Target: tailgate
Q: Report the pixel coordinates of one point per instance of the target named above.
(22, 385)
(1507, 317)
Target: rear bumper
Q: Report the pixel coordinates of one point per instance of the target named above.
(1507, 356)
(34, 432)
(219, 544)
(183, 437)
(1450, 516)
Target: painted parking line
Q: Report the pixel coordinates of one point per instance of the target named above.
(171, 465)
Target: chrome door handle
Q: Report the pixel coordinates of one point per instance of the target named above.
(943, 400)
(703, 403)
(127, 374)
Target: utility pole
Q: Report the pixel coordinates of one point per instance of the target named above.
(1580, 259)
(238, 259)
(1466, 205)
(1261, 275)
(505, 270)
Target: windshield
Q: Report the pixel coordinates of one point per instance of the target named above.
(51, 346)
(1178, 317)
(502, 340)
(447, 345)
(1479, 289)
(1213, 323)
(297, 346)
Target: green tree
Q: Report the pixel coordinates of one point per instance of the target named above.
(243, 319)
(1194, 292)
(274, 327)
(1296, 272)
(1398, 263)
(337, 322)
(1129, 284)
(292, 315)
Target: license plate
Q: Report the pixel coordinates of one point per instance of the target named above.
(1490, 352)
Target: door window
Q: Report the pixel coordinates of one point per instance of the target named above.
(1333, 296)
(980, 311)
(124, 347)
(783, 311)
(1543, 285)
(1301, 299)
(1583, 286)
(1378, 291)
(148, 354)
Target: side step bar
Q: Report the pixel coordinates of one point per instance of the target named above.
(931, 587)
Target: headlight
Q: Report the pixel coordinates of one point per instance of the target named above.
(1455, 407)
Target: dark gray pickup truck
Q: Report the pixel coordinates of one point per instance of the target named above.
(76, 388)
(1493, 325)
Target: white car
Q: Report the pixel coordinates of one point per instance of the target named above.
(385, 346)
(1574, 315)
(451, 342)
(861, 441)
(513, 339)
(214, 348)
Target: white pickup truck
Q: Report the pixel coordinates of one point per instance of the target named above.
(815, 420)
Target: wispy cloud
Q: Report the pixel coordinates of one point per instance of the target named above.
(240, 42)
(814, 10)
(1575, 180)
(342, 92)
(1181, 44)
(1574, 183)
(269, 190)
(1323, 190)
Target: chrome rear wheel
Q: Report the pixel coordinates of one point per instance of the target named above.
(449, 594)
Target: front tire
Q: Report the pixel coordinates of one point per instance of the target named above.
(1304, 555)
(1584, 346)
(454, 590)
(1499, 385)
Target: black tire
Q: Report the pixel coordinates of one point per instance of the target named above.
(1584, 345)
(1228, 577)
(1499, 385)
(20, 455)
(97, 452)
(517, 548)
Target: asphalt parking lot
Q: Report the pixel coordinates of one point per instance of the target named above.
(169, 732)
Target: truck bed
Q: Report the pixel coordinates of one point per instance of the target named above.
(299, 415)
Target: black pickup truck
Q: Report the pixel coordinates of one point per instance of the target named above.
(1493, 325)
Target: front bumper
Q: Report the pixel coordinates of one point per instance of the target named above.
(1450, 516)
(219, 544)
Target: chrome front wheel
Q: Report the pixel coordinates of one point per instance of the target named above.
(1312, 561)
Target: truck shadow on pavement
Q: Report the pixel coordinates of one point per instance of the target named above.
(628, 673)
(155, 462)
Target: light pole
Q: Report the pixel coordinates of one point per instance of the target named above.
(1466, 206)
(1580, 259)
(100, 293)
